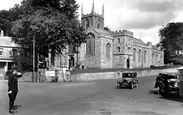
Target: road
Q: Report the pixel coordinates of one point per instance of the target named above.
(98, 97)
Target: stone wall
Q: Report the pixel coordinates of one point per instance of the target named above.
(115, 75)
(106, 62)
(119, 61)
(92, 76)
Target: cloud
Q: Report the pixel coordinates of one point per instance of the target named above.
(143, 17)
(144, 14)
(160, 5)
(147, 35)
(7, 4)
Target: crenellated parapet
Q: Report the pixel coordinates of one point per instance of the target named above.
(88, 15)
(122, 33)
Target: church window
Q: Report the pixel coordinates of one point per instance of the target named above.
(134, 55)
(98, 25)
(87, 23)
(161, 59)
(157, 58)
(145, 54)
(118, 40)
(90, 44)
(118, 49)
(139, 55)
(108, 50)
(152, 59)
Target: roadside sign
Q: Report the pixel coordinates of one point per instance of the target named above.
(49, 73)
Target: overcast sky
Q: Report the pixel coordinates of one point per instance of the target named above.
(143, 17)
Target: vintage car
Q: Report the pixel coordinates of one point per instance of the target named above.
(128, 80)
(167, 84)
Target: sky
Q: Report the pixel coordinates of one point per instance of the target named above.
(143, 17)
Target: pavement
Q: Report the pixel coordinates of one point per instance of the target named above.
(98, 97)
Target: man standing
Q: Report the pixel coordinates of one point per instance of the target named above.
(13, 87)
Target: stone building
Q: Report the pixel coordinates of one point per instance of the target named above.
(108, 49)
(8, 49)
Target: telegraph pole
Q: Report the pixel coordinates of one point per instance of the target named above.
(37, 73)
(33, 59)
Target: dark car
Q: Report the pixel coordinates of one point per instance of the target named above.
(167, 84)
(129, 79)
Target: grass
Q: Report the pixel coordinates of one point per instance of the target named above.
(98, 70)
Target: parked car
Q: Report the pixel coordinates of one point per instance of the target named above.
(167, 84)
(129, 79)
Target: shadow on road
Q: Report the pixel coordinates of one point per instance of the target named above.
(16, 107)
(172, 98)
(178, 99)
(153, 92)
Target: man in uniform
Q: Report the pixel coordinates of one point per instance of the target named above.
(13, 87)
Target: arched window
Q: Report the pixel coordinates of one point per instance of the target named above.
(118, 40)
(145, 54)
(134, 55)
(161, 59)
(108, 50)
(98, 24)
(153, 59)
(157, 59)
(90, 44)
(87, 23)
(118, 49)
(139, 55)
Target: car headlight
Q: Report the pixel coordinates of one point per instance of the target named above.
(175, 84)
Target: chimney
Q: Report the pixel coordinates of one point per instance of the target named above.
(2, 33)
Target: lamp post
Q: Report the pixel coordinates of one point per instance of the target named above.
(37, 73)
(49, 59)
(33, 59)
(77, 54)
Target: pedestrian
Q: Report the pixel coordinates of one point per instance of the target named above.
(13, 87)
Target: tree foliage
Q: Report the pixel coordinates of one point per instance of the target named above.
(5, 23)
(52, 23)
(171, 40)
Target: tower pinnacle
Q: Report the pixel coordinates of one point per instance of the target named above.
(93, 8)
(82, 9)
(103, 10)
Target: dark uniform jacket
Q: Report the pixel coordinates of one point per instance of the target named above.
(13, 82)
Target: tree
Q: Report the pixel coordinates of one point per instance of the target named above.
(53, 24)
(107, 29)
(5, 23)
(171, 40)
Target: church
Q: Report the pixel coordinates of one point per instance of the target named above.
(109, 49)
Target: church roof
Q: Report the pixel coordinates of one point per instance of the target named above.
(102, 32)
(6, 41)
(138, 41)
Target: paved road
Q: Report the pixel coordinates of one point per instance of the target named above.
(89, 98)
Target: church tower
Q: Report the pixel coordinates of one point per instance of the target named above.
(93, 19)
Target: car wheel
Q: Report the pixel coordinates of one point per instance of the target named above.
(117, 86)
(136, 84)
(132, 86)
(158, 90)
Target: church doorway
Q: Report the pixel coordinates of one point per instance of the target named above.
(71, 62)
(128, 63)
